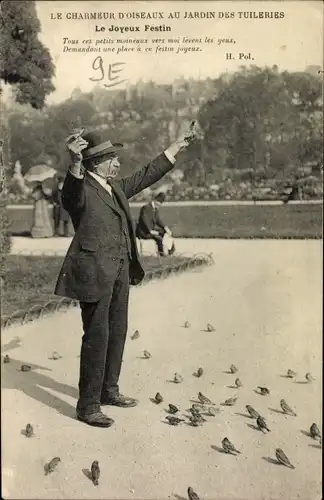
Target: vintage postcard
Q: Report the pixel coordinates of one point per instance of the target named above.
(161, 249)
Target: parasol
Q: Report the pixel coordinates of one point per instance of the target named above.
(39, 173)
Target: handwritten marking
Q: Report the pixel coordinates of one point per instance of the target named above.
(98, 65)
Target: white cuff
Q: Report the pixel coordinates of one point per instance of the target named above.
(169, 156)
(77, 176)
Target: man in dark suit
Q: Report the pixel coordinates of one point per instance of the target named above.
(151, 226)
(103, 260)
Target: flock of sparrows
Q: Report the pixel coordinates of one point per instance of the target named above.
(196, 414)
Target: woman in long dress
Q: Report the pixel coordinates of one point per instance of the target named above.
(42, 224)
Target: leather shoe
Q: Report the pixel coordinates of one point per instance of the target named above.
(119, 400)
(97, 419)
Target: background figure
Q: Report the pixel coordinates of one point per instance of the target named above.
(62, 220)
(42, 225)
(151, 226)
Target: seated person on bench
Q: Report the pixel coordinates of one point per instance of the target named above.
(151, 226)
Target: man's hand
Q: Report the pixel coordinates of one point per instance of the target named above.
(184, 139)
(168, 231)
(154, 233)
(75, 144)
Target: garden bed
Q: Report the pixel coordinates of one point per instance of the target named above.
(30, 281)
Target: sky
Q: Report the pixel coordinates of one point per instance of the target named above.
(292, 42)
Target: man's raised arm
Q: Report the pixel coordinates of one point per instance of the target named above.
(73, 197)
(157, 168)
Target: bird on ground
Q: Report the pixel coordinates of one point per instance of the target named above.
(291, 373)
(283, 459)
(29, 431)
(147, 354)
(210, 327)
(197, 407)
(174, 420)
(238, 383)
(309, 377)
(25, 368)
(186, 324)
(135, 335)
(252, 411)
(196, 420)
(199, 372)
(261, 423)
(286, 408)
(158, 398)
(315, 432)
(177, 379)
(230, 401)
(173, 409)
(228, 447)
(233, 369)
(203, 399)
(213, 411)
(194, 411)
(264, 391)
(95, 472)
(192, 495)
(56, 356)
(6, 359)
(51, 466)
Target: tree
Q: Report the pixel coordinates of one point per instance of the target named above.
(264, 119)
(24, 61)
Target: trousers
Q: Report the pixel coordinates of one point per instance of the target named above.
(105, 327)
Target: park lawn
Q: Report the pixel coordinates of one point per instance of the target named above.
(30, 280)
(300, 221)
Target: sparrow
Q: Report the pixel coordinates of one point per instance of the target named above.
(177, 378)
(210, 328)
(309, 377)
(135, 335)
(147, 355)
(197, 407)
(195, 421)
(286, 408)
(6, 359)
(199, 372)
(283, 459)
(228, 447)
(203, 399)
(56, 355)
(315, 432)
(95, 472)
(192, 495)
(252, 411)
(264, 390)
(230, 401)
(174, 420)
(291, 373)
(173, 409)
(233, 369)
(186, 324)
(238, 383)
(213, 411)
(51, 466)
(158, 398)
(29, 431)
(261, 423)
(25, 368)
(194, 412)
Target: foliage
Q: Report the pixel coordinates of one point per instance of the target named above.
(5, 240)
(24, 61)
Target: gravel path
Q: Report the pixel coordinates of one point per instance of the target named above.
(264, 299)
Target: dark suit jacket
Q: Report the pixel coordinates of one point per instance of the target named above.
(148, 219)
(92, 258)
